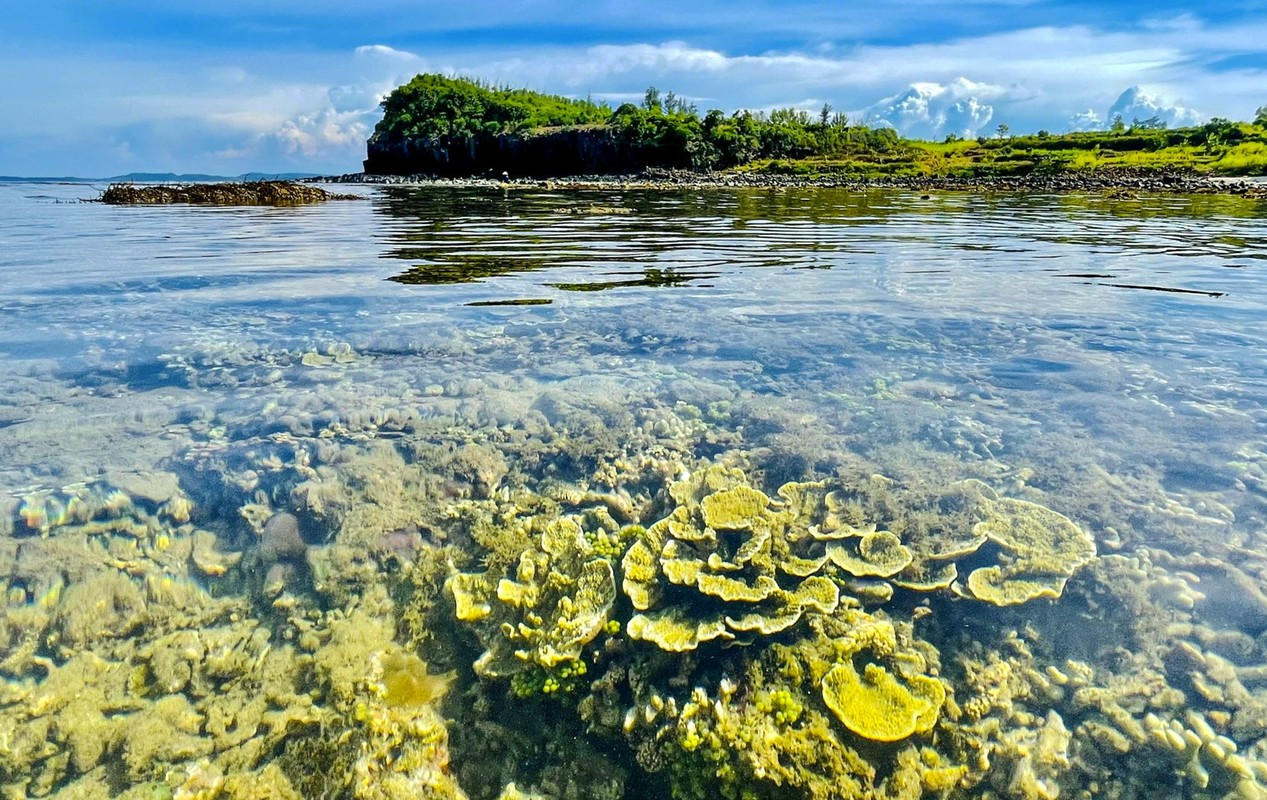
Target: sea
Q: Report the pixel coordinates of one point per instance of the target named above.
(633, 493)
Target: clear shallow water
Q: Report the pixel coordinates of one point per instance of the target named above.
(1101, 358)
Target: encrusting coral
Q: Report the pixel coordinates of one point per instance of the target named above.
(756, 564)
(773, 587)
(776, 729)
(722, 565)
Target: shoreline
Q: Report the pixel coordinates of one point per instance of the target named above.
(1111, 183)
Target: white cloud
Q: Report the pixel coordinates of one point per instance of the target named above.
(1037, 77)
(384, 52)
(932, 110)
(1135, 104)
(324, 130)
(320, 134)
(1087, 120)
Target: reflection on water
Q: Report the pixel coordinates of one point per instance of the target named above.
(634, 494)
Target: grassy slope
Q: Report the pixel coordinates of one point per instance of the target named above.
(1072, 152)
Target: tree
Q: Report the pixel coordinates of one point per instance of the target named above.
(1002, 130)
(1119, 124)
(1153, 123)
(1260, 117)
(824, 116)
(1220, 131)
(651, 100)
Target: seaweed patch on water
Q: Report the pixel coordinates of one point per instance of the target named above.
(1171, 289)
(650, 277)
(464, 269)
(523, 301)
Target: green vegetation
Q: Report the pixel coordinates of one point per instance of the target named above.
(1219, 147)
(433, 105)
(666, 131)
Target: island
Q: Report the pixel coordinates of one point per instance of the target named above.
(448, 127)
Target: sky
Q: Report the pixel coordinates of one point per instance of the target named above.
(96, 89)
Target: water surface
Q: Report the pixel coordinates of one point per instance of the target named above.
(177, 377)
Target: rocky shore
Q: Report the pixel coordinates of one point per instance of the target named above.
(1114, 182)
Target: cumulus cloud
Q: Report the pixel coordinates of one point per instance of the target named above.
(382, 51)
(1136, 105)
(322, 133)
(1087, 120)
(333, 129)
(932, 110)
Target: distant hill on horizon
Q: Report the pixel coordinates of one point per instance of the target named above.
(166, 177)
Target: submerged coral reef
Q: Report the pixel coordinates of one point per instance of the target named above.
(442, 614)
(127, 672)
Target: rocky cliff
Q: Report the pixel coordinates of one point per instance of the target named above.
(544, 153)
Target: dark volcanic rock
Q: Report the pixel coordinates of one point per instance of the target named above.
(584, 150)
(1110, 183)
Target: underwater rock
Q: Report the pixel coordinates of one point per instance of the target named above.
(281, 540)
(279, 562)
(206, 559)
(153, 487)
(402, 543)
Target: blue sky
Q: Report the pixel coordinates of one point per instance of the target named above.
(102, 88)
